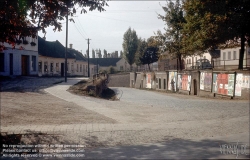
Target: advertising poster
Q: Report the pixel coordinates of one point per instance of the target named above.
(207, 81)
(222, 82)
(230, 84)
(172, 80)
(215, 86)
(148, 80)
(202, 77)
(180, 81)
(184, 81)
(238, 84)
(189, 83)
(245, 82)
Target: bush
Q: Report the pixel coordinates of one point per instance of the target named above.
(111, 70)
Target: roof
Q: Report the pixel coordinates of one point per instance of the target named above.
(105, 62)
(56, 50)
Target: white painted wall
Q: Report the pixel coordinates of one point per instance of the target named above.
(72, 67)
(17, 62)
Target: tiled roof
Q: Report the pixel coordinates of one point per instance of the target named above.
(56, 50)
(105, 62)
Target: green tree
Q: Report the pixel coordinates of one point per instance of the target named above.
(212, 23)
(21, 18)
(171, 40)
(142, 45)
(130, 43)
(150, 56)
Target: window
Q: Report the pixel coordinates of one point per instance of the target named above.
(229, 55)
(51, 67)
(72, 67)
(57, 67)
(234, 55)
(33, 63)
(45, 66)
(204, 57)
(195, 59)
(121, 68)
(224, 55)
(77, 68)
(40, 66)
(1, 62)
(80, 67)
(187, 61)
(67, 67)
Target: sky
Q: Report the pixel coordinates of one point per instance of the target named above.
(106, 29)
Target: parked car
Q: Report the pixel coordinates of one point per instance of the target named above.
(203, 64)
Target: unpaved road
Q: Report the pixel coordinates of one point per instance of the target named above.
(139, 117)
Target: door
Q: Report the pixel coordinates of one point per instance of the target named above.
(195, 87)
(25, 65)
(62, 69)
(11, 64)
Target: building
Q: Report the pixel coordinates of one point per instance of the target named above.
(166, 62)
(22, 60)
(51, 60)
(223, 59)
(119, 64)
(229, 58)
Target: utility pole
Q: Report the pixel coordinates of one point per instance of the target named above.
(88, 56)
(66, 48)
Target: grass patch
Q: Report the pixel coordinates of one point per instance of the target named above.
(78, 89)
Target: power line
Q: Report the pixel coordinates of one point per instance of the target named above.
(118, 19)
(81, 26)
(79, 31)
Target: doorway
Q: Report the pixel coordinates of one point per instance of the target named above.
(195, 86)
(25, 65)
(62, 69)
(11, 64)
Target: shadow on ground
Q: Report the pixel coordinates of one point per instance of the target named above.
(173, 149)
(27, 83)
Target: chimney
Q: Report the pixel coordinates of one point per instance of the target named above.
(70, 46)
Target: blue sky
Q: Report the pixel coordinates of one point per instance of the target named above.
(106, 29)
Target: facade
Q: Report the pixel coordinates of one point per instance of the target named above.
(119, 64)
(20, 61)
(226, 59)
(165, 62)
(51, 60)
(229, 58)
(190, 61)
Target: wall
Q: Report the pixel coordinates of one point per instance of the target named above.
(72, 67)
(161, 77)
(203, 83)
(17, 62)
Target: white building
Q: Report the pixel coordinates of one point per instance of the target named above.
(52, 59)
(20, 61)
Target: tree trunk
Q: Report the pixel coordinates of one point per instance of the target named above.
(242, 50)
(149, 67)
(179, 63)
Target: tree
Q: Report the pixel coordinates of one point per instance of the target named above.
(171, 40)
(212, 23)
(105, 55)
(130, 43)
(142, 46)
(22, 18)
(150, 56)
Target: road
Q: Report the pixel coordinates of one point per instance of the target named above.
(153, 125)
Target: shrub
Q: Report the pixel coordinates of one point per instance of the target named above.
(111, 70)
